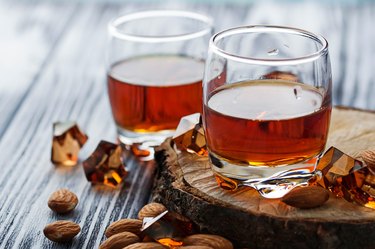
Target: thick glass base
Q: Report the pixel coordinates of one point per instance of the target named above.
(270, 182)
(144, 143)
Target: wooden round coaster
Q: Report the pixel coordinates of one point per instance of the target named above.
(186, 184)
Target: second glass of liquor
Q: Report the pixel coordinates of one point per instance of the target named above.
(267, 106)
(155, 69)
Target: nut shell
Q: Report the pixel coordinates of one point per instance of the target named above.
(208, 240)
(306, 197)
(145, 245)
(124, 225)
(151, 210)
(119, 241)
(62, 201)
(61, 231)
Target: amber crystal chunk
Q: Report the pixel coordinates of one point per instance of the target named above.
(67, 141)
(189, 135)
(138, 151)
(105, 165)
(167, 228)
(226, 183)
(347, 177)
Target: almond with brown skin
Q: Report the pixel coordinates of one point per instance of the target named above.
(281, 76)
(306, 197)
(146, 245)
(213, 241)
(124, 225)
(61, 231)
(368, 157)
(62, 201)
(151, 210)
(119, 241)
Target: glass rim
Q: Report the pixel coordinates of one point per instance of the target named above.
(268, 29)
(116, 32)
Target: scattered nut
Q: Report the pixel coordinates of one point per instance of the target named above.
(151, 210)
(145, 245)
(62, 201)
(306, 197)
(119, 241)
(213, 241)
(124, 225)
(279, 75)
(61, 231)
(368, 157)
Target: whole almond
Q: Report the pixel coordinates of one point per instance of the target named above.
(282, 76)
(368, 157)
(124, 225)
(61, 231)
(119, 241)
(151, 210)
(62, 201)
(306, 197)
(213, 241)
(145, 245)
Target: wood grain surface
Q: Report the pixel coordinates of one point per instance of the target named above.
(186, 184)
(356, 139)
(52, 67)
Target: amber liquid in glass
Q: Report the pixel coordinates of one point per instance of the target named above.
(152, 93)
(266, 122)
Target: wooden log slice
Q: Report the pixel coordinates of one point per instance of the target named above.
(186, 184)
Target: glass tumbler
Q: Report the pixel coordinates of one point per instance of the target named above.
(155, 65)
(267, 106)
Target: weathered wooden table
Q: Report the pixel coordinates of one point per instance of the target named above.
(52, 67)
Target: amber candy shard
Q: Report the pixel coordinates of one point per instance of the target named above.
(168, 228)
(347, 177)
(105, 165)
(138, 151)
(171, 243)
(189, 135)
(67, 141)
(226, 183)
